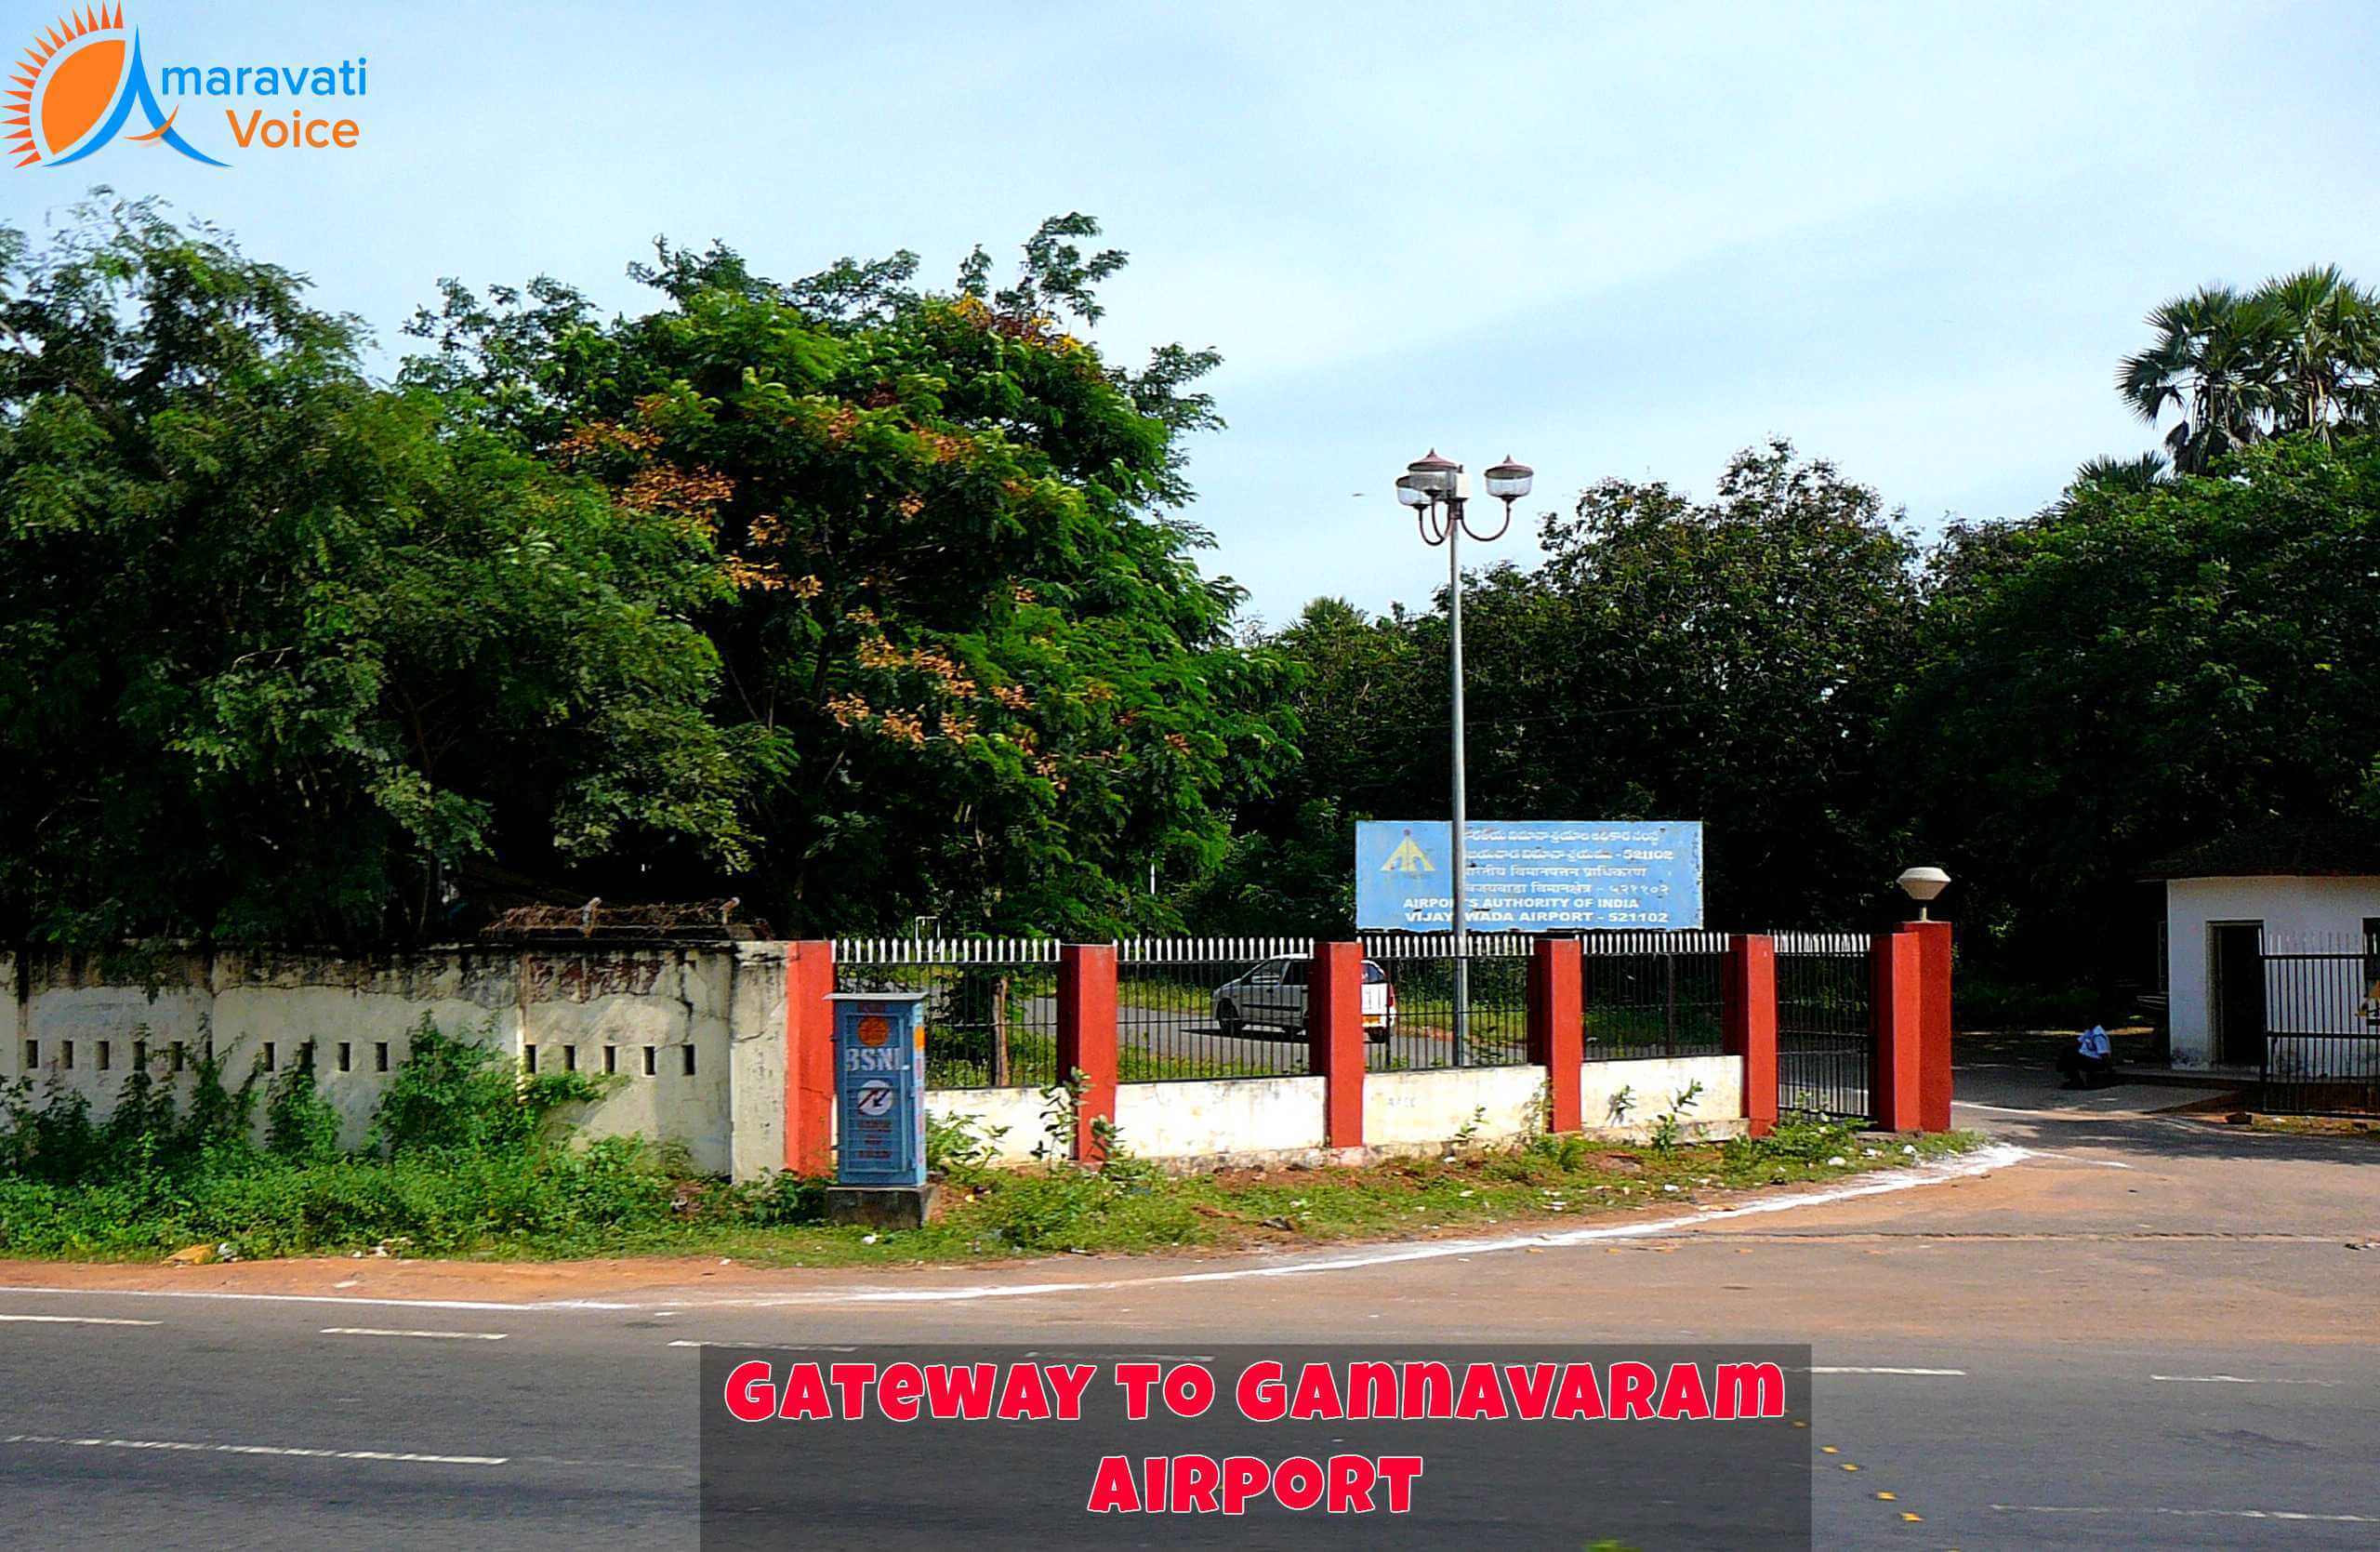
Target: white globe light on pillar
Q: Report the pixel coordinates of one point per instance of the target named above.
(1923, 884)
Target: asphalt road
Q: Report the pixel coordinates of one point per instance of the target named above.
(2153, 1333)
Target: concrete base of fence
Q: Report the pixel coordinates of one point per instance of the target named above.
(1256, 1122)
(1243, 1117)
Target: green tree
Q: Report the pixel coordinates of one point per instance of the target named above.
(1730, 660)
(966, 637)
(281, 650)
(2299, 353)
(2137, 670)
(1727, 660)
(1360, 696)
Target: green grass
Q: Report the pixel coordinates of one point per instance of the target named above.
(2367, 1128)
(1134, 1209)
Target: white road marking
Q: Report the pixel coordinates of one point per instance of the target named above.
(187, 1446)
(768, 1346)
(82, 1319)
(1940, 1172)
(1959, 1373)
(450, 1335)
(541, 1306)
(2238, 1379)
(2194, 1514)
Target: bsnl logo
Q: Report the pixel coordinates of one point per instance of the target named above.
(84, 84)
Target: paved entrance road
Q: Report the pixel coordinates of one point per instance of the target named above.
(2152, 1335)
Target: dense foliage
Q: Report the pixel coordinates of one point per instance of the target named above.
(2299, 355)
(2141, 670)
(984, 679)
(856, 599)
(869, 602)
(279, 649)
(1728, 661)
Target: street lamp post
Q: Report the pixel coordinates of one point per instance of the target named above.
(1432, 486)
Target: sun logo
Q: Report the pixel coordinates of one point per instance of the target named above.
(76, 90)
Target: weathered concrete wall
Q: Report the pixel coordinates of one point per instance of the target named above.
(694, 1036)
(1656, 1084)
(1223, 1121)
(1493, 1103)
(1008, 1119)
(1405, 1111)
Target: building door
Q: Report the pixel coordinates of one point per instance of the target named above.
(2239, 993)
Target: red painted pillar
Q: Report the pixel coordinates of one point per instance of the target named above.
(1334, 1027)
(1898, 1066)
(1556, 988)
(1933, 1023)
(809, 1058)
(1087, 1038)
(1750, 1015)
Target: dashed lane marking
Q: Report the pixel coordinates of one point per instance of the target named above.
(80, 1321)
(2308, 1515)
(448, 1335)
(1848, 1368)
(2238, 1379)
(191, 1447)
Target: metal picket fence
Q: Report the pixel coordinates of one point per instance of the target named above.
(991, 1009)
(1415, 1027)
(1654, 993)
(1825, 1025)
(1194, 1007)
(1211, 1007)
(2321, 1041)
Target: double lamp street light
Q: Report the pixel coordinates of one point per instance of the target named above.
(1434, 487)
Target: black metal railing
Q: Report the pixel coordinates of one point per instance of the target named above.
(1212, 1008)
(991, 1005)
(1654, 994)
(1417, 1029)
(2321, 1042)
(1826, 1029)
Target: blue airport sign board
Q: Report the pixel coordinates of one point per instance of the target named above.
(1531, 876)
(880, 1089)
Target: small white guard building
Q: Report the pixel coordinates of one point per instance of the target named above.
(2294, 885)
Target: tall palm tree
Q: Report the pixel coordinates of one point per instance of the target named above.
(2324, 331)
(2212, 361)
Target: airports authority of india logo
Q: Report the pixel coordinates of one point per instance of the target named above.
(87, 83)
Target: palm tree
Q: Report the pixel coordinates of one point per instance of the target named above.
(2299, 353)
(2133, 476)
(2212, 361)
(2143, 474)
(2325, 334)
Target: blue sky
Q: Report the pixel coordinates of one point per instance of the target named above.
(1608, 239)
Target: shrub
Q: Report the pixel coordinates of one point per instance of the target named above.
(452, 1094)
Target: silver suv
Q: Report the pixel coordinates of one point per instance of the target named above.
(1273, 996)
